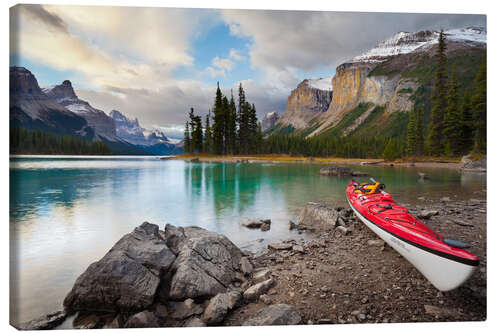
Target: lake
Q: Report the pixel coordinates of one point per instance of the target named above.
(67, 212)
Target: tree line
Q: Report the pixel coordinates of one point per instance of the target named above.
(458, 116)
(24, 141)
(230, 127)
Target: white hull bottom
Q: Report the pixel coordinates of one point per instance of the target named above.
(444, 274)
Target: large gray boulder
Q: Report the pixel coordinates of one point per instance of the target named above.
(319, 216)
(276, 314)
(205, 266)
(127, 277)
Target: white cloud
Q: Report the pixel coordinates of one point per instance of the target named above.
(225, 64)
(235, 54)
(215, 72)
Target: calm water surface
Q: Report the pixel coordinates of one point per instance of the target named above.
(66, 212)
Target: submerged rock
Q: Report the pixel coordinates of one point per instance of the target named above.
(280, 246)
(276, 314)
(127, 277)
(45, 322)
(335, 170)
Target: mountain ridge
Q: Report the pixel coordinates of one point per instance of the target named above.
(387, 76)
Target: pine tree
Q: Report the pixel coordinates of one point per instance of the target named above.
(390, 152)
(191, 129)
(419, 131)
(439, 99)
(187, 139)
(452, 124)
(197, 136)
(411, 143)
(207, 144)
(466, 125)
(231, 126)
(218, 123)
(479, 109)
(252, 128)
(225, 116)
(242, 121)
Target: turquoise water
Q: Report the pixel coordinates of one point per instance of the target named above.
(67, 212)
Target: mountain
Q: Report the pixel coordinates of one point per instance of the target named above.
(270, 119)
(306, 103)
(373, 92)
(127, 129)
(154, 141)
(103, 125)
(32, 109)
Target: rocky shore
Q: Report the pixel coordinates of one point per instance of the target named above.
(345, 274)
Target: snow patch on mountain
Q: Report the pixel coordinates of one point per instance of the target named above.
(407, 42)
(320, 83)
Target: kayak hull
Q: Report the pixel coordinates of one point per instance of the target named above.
(443, 273)
(445, 263)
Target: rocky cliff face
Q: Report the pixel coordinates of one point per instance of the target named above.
(357, 81)
(305, 103)
(270, 120)
(30, 107)
(101, 123)
(353, 85)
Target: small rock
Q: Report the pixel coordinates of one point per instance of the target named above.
(292, 225)
(375, 242)
(265, 227)
(325, 321)
(194, 322)
(265, 299)
(261, 275)
(252, 224)
(298, 248)
(427, 214)
(245, 266)
(142, 319)
(280, 246)
(440, 311)
(445, 199)
(258, 289)
(276, 314)
(183, 310)
(219, 306)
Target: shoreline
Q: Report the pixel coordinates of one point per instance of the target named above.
(284, 159)
(330, 278)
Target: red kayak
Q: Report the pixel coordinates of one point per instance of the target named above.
(444, 262)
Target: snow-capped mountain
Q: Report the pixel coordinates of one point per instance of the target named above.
(151, 140)
(103, 125)
(128, 129)
(408, 42)
(31, 108)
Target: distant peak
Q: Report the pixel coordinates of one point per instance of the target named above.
(67, 83)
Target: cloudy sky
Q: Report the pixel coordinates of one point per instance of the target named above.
(156, 63)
